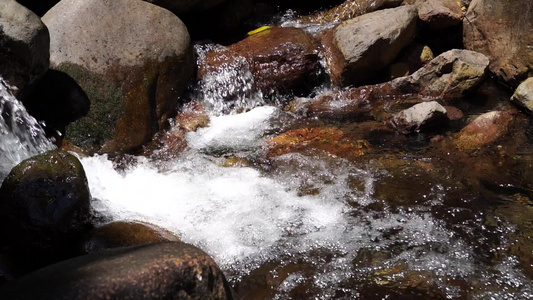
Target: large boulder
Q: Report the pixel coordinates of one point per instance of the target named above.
(171, 270)
(24, 47)
(132, 58)
(449, 76)
(358, 48)
(44, 207)
(502, 31)
(278, 59)
(181, 7)
(523, 96)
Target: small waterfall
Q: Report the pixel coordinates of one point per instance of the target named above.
(21, 135)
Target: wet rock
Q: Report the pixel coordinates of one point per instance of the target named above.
(523, 96)
(485, 130)
(182, 7)
(359, 47)
(45, 205)
(124, 234)
(419, 116)
(279, 59)
(439, 14)
(449, 76)
(502, 31)
(24, 50)
(132, 58)
(309, 140)
(170, 270)
(453, 113)
(348, 10)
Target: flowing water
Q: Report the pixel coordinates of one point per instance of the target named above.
(299, 226)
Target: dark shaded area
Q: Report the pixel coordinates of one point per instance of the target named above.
(39, 7)
(57, 100)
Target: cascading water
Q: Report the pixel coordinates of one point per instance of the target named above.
(21, 135)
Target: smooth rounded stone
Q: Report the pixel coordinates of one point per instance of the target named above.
(358, 48)
(485, 130)
(25, 47)
(440, 14)
(124, 234)
(279, 59)
(44, 207)
(348, 10)
(181, 7)
(419, 116)
(523, 96)
(132, 58)
(502, 31)
(171, 270)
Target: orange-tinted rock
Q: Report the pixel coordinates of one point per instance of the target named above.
(308, 140)
(485, 130)
(348, 10)
(123, 234)
(280, 59)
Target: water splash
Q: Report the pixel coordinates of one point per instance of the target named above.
(21, 136)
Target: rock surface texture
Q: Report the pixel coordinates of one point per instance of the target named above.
(24, 46)
(358, 48)
(419, 116)
(170, 270)
(439, 14)
(502, 31)
(132, 58)
(523, 96)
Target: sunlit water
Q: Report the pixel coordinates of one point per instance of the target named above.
(21, 136)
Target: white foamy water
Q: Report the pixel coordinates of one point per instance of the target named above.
(21, 136)
(245, 218)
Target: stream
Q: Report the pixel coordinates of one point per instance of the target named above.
(300, 226)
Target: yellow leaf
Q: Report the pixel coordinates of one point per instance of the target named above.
(262, 28)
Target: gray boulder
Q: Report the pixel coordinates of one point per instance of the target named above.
(132, 58)
(523, 96)
(439, 14)
(358, 48)
(24, 47)
(419, 116)
(171, 270)
(502, 31)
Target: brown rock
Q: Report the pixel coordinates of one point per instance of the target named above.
(124, 234)
(439, 14)
(171, 270)
(308, 140)
(502, 31)
(485, 130)
(280, 59)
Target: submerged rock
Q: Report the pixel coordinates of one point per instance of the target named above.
(132, 58)
(419, 116)
(502, 31)
(331, 140)
(171, 270)
(523, 96)
(449, 76)
(25, 45)
(45, 206)
(124, 234)
(485, 130)
(359, 47)
(279, 59)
